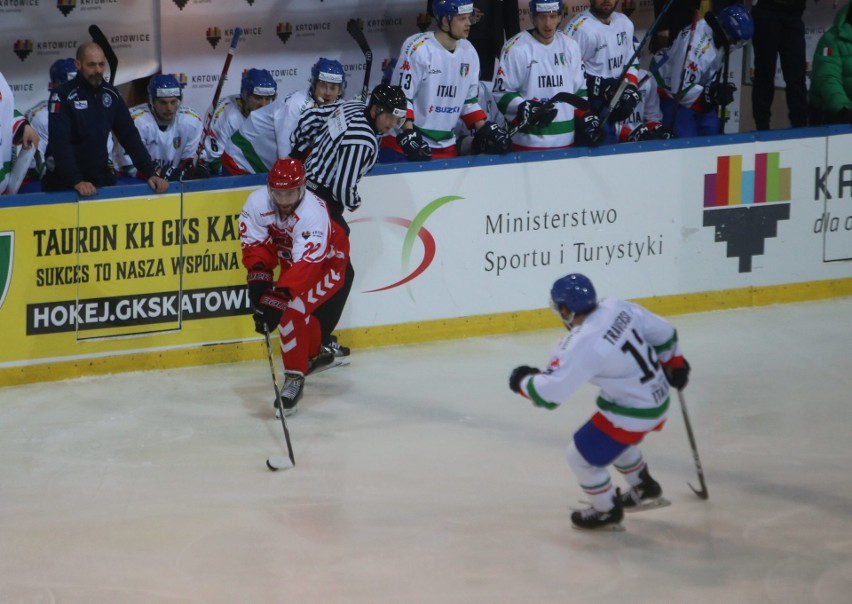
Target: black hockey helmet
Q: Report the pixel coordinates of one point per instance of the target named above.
(389, 99)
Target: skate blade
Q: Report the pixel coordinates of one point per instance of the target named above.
(337, 362)
(659, 502)
(608, 528)
(287, 412)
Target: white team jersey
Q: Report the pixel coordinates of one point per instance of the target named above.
(698, 70)
(9, 123)
(227, 119)
(264, 137)
(441, 86)
(169, 147)
(647, 111)
(618, 348)
(37, 117)
(605, 48)
(304, 236)
(530, 70)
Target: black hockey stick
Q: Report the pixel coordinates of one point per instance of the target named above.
(623, 79)
(222, 77)
(723, 109)
(278, 462)
(355, 27)
(702, 493)
(100, 39)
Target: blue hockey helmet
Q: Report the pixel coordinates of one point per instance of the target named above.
(329, 70)
(61, 71)
(737, 23)
(258, 82)
(163, 85)
(575, 293)
(545, 6)
(451, 8)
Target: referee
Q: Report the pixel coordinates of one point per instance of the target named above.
(343, 142)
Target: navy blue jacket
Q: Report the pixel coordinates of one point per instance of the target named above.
(79, 123)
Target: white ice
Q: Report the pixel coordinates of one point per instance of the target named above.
(421, 478)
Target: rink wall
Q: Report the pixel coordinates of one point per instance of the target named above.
(129, 281)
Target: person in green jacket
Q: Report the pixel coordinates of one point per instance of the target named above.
(831, 78)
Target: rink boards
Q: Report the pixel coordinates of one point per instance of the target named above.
(441, 250)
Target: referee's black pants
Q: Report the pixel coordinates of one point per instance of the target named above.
(329, 313)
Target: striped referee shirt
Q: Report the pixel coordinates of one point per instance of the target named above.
(344, 148)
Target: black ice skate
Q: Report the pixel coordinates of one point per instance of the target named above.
(291, 393)
(341, 353)
(647, 495)
(324, 359)
(596, 520)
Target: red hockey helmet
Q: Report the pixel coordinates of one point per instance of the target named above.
(286, 174)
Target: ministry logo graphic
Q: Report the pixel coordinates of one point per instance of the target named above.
(745, 206)
(66, 6)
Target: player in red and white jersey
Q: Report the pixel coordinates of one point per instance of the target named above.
(285, 225)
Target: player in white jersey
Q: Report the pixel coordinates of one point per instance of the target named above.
(169, 130)
(62, 70)
(605, 38)
(265, 135)
(257, 89)
(534, 66)
(285, 225)
(689, 72)
(633, 356)
(14, 130)
(439, 74)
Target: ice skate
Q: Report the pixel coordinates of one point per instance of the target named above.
(322, 361)
(291, 393)
(341, 353)
(596, 520)
(647, 495)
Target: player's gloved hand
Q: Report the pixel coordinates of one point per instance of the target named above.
(590, 131)
(259, 282)
(627, 102)
(414, 145)
(268, 312)
(844, 116)
(201, 170)
(718, 94)
(171, 173)
(650, 131)
(518, 374)
(491, 138)
(600, 88)
(677, 372)
(537, 114)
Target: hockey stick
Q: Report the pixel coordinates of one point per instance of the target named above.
(100, 39)
(679, 94)
(723, 110)
(623, 79)
(560, 97)
(703, 492)
(278, 462)
(355, 27)
(208, 119)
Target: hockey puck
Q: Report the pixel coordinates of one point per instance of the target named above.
(278, 462)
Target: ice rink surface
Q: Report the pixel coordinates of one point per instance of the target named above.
(421, 478)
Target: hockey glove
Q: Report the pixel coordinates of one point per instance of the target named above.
(491, 138)
(414, 145)
(601, 89)
(268, 312)
(718, 95)
(652, 131)
(677, 372)
(518, 374)
(259, 282)
(201, 170)
(590, 131)
(627, 102)
(536, 114)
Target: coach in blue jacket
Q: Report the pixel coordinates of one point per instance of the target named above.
(83, 112)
